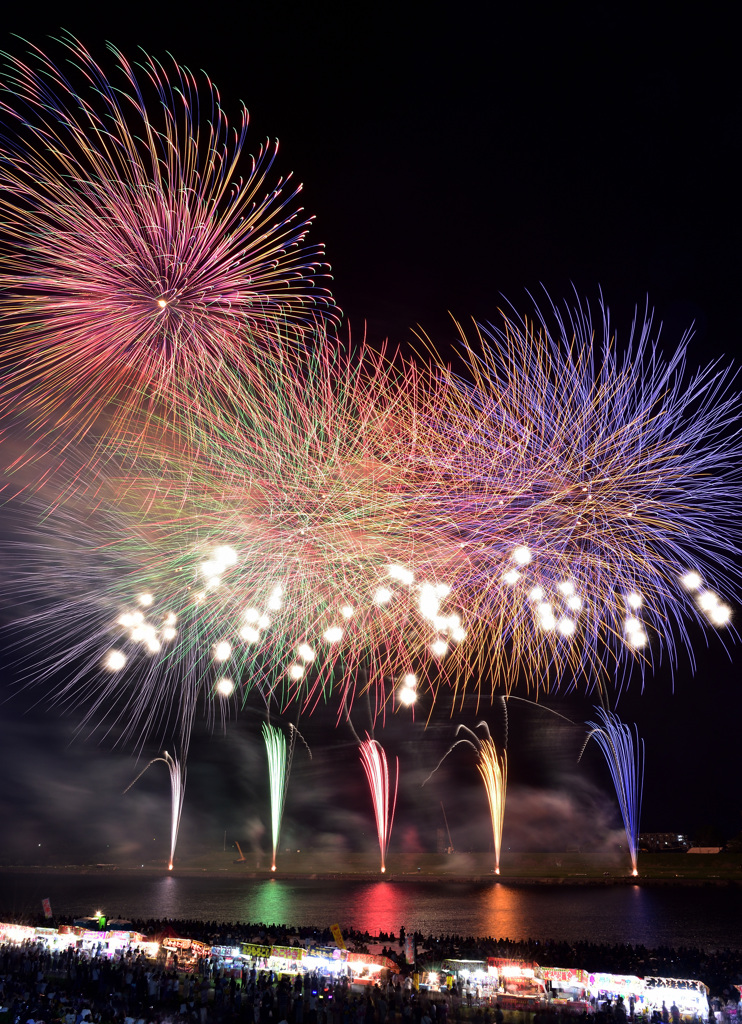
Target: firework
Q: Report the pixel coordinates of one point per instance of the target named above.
(624, 753)
(280, 755)
(375, 766)
(143, 253)
(276, 552)
(355, 516)
(592, 490)
(493, 768)
(177, 792)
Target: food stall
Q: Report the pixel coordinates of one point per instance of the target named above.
(610, 987)
(520, 985)
(569, 987)
(367, 967)
(286, 959)
(691, 997)
(471, 976)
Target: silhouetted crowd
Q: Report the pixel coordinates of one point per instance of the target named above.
(75, 987)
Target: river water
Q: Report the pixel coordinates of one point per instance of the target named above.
(707, 917)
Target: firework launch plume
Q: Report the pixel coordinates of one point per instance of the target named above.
(493, 768)
(624, 754)
(177, 793)
(143, 252)
(375, 766)
(280, 756)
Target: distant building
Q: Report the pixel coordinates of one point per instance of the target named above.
(663, 842)
(705, 849)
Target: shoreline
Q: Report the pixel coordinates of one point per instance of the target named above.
(370, 877)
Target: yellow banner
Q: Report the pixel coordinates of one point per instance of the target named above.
(337, 936)
(249, 949)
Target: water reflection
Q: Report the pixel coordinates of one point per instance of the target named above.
(166, 897)
(271, 903)
(382, 906)
(503, 910)
(655, 916)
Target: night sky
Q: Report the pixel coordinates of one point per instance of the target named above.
(451, 157)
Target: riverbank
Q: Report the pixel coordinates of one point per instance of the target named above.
(570, 868)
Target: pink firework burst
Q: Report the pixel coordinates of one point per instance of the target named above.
(144, 255)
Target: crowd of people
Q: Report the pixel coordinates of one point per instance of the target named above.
(75, 987)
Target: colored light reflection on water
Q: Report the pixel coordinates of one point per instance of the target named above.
(383, 906)
(520, 912)
(270, 902)
(703, 916)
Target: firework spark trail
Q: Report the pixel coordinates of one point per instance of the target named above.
(276, 559)
(276, 556)
(624, 753)
(375, 766)
(177, 793)
(592, 491)
(493, 768)
(142, 248)
(280, 756)
(559, 512)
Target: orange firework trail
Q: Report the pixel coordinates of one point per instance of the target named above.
(375, 766)
(493, 767)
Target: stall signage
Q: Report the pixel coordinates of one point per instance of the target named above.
(570, 974)
(288, 952)
(328, 952)
(250, 949)
(225, 950)
(17, 931)
(616, 982)
(498, 961)
(368, 958)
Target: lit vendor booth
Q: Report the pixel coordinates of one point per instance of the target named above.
(188, 951)
(568, 986)
(690, 997)
(229, 960)
(611, 987)
(16, 933)
(520, 985)
(471, 976)
(367, 967)
(286, 959)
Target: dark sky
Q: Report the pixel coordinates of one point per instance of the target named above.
(452, 155)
